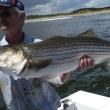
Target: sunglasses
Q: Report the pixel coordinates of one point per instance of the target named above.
(8, 13)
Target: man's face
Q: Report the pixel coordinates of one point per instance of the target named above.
(10, 20)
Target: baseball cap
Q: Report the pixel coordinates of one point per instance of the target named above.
(12, 3)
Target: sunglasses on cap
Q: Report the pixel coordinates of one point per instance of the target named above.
(8, 12)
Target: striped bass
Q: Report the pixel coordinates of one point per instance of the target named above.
(53, 56)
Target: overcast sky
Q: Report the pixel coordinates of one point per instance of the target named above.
(56, 6)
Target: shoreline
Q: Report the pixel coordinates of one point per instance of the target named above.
(64, 17)
(48, 19)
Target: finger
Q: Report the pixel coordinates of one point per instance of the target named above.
(90, 62)
(81, 64)
(85, 63)
(93, 62)
(64, 77)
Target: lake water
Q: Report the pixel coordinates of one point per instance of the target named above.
(97, 80)
(75, 25)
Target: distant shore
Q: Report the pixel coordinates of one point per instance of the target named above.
(49, 18)
(64, 17)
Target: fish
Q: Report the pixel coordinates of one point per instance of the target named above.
(54, 56)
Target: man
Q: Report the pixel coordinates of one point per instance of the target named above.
(18, 93)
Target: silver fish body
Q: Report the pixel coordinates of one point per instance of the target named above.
(54, 56)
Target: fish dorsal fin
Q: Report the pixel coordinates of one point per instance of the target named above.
(88, 33)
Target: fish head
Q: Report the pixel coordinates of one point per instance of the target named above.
(12, 58)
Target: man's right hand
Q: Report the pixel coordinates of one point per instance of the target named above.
(86, 61)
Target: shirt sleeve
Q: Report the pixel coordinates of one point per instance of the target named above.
(37, 40)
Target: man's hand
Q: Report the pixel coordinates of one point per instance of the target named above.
(86, 61)
(64, 77)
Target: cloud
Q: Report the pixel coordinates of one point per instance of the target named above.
(67, 5)
(37, 6)
(31, 3)
(58, 6)
(41, 9)
(98, 3)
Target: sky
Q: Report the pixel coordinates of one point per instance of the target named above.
(43, 7)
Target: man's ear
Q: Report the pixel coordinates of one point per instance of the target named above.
(22, 19)
(23, 16)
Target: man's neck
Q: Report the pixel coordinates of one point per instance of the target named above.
(15, 38)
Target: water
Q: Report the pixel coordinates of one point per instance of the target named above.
(75, 25)
(96, 80)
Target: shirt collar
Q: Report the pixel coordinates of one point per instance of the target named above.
(3, 41)
(26, 40)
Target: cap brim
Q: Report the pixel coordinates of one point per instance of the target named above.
(5, 5)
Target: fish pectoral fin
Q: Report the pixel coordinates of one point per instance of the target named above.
(38, 64)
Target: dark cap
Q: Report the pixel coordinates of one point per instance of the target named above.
(12, 3)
